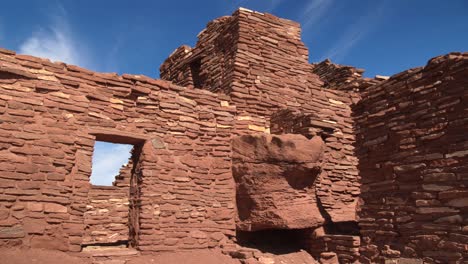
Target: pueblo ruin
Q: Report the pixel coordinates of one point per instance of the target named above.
(242, 146)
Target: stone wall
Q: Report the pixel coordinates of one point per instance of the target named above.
(343, 77)
(106, 216)
(269, 71)
(338, 186)
(210, 64)
(331, 248)
(51, 114)
(122, 180)
(107, 211)
(394, 161)
(413, 152)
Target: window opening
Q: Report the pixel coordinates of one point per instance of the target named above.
(195, 70)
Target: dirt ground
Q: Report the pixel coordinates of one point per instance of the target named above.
(193, 257)
(40, 256)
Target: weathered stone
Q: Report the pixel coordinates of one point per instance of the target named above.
(198, 234)
(158, 143)
(47, 242)
(34, 226)
(11, 232)
(55, 208)
(460, 202)
(402, 137)
(275, 176)
(424, 192)
(328, 258)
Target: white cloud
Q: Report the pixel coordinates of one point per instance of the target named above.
(56, 42)
(314, 11)
(356, 32)
(108, 158)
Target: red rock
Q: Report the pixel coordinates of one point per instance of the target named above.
(34, 226)
(11, 232)
(403, 138)
(55, 208)
(274, 178)
(328, 258)
(47, 242)
(35, 207)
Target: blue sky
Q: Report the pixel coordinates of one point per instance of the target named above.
(382, 36)
(108, 158)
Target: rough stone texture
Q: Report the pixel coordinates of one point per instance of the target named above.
(413, 152)
(51, 113)
(107, 210)
(394, 155)
(275, 178)
(343, 77)
(337, 186)
(266, 69)
(300, 257)
(106, 217)
(346, 247)
(328, 258)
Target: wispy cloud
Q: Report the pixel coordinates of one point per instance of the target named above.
(273, 5)
(314, 11)
(356, 32)
(108, 158)
(111, 63)
(2, 32)
(56, 42)
(235, 5)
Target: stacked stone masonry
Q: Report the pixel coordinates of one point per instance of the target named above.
(240, 126)
(270, 72)
(51, 115)
(106, 216)
(107, 211)
(342, 77)
(413, 152)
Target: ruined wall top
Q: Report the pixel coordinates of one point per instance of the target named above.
(228, 42)
(344, 77)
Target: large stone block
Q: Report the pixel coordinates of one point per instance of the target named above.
(11, 232)
(55, 208)
(275, 177)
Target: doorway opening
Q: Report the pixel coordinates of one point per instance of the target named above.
(112, 210)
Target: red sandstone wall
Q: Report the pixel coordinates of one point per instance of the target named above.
(122, 180)
(214, 54)
(271, 72)
(411, 128)
(337, 185)
(344, 247)
(342, 77)
(50, 115)
(107, 211)
(106, 216)
(413, 151)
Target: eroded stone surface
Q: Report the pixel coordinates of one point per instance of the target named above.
(407, 190)
(275, 177)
